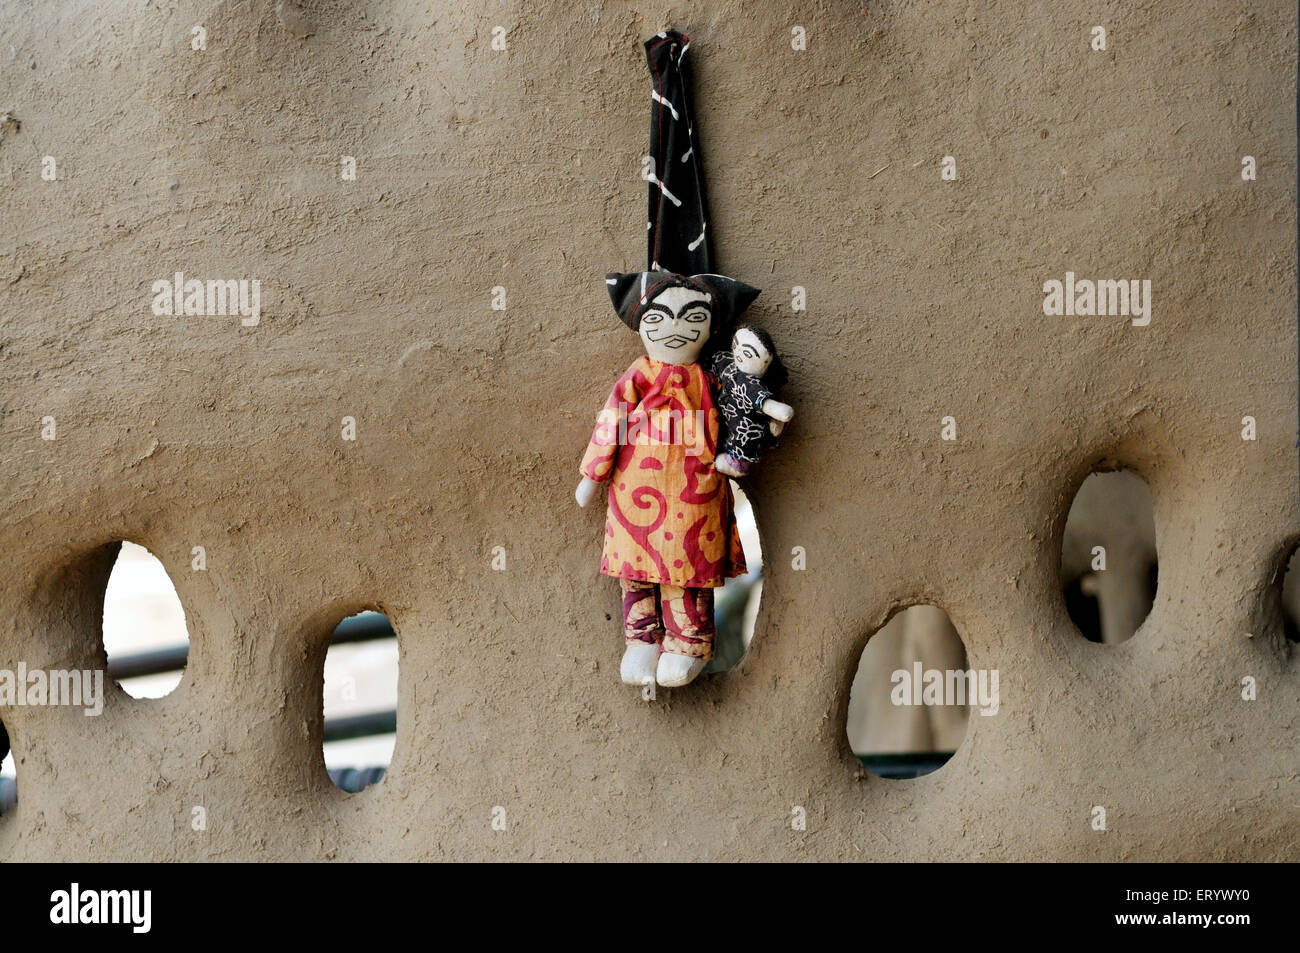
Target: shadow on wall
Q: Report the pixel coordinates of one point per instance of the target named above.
(1291, 598)
(8, 791)
(735, 605)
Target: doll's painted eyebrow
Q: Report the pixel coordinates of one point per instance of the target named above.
(692, 306)
(657, 309)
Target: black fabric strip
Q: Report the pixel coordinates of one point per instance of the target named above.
(677, 237)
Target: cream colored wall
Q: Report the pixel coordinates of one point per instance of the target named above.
(520, 168)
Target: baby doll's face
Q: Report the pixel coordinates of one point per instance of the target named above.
(750, 355)
(676, 325)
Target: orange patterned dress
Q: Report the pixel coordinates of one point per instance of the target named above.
(671, 518)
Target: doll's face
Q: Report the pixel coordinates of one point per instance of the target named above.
(750, 355)
(675, 325)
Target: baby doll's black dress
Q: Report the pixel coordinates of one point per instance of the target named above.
(739, 399)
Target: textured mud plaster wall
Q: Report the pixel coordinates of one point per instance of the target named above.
(479, 168)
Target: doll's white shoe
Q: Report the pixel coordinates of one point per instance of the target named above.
(639, 661)
(678, 670)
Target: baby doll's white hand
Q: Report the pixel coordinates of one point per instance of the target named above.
(723, 465)
(586, 491)
(777, 410)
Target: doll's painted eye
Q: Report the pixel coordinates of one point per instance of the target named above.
(695, 315)
(652, 317)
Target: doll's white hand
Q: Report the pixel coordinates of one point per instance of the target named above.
(777, 410)
(586, 491)
(776, 427)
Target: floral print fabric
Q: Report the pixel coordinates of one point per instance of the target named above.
(670, 516)
(740, 398)
(681, 620)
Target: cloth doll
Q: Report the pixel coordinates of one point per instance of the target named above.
(747, 375)
(670, 528)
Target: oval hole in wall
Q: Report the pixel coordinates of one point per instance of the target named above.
(360, 700)
(1108, 556)
(911, 698)
(144, 630)
(735, 604)
(8, 774)
(1291, 597)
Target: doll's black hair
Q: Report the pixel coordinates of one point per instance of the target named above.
(633, 292)
(776, 375)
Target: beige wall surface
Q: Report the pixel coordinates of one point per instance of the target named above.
(519, 168)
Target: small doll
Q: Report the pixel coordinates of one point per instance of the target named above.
(670, 527)
(747, 376)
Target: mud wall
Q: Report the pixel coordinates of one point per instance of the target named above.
(479, 168)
